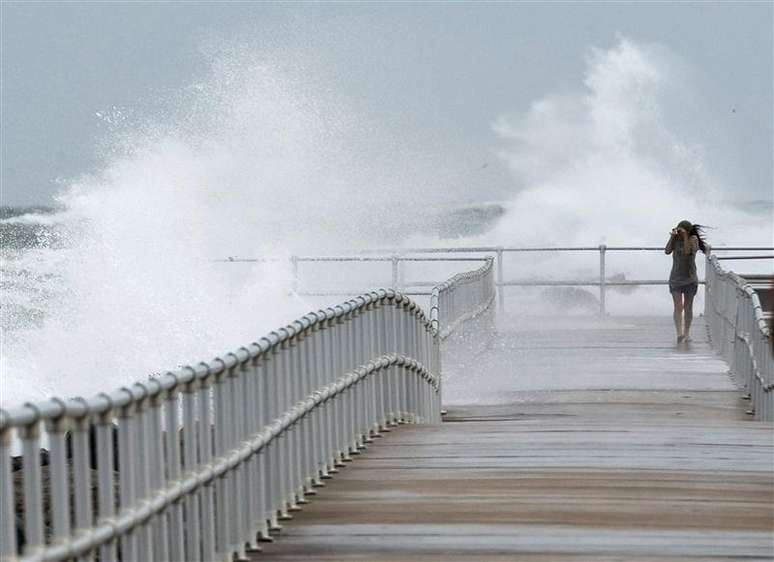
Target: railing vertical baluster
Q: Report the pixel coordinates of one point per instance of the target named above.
(338, 370)
(372, 353)
(7, 502)
(142, 478)
(82, 473)
(157, 478)
(59, 477)
(369, 354)
(353, 439)
(309, 338)
(262, 416)
(283, 402)
(394, 322)
(172, 456)
(405, 335)
(232, 417)
(250, 428)
(190, 442)
(222, 545)
(325, 429)
(273, 459)
(206, 433)
(289, 435)
(33, 493)
(325, 413)
(297, 374)
(317, 443)
(236, 417)
(384, 349)
(334, 335)
(126, 476)
(355, 436)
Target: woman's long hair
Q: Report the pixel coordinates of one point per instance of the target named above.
(696, 230)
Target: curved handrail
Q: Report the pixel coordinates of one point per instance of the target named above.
(209, 473)
(485, 272)
(279, 414)
(739, 328)
(101, 403)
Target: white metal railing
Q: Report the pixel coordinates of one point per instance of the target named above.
(473, 297)
(202, 463)
(397, 264)
(601, 281)
(741, 331)
(399, 257)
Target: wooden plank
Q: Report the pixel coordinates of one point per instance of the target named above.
(642, 452)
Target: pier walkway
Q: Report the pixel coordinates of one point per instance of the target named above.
(565, 439)
(599, 440)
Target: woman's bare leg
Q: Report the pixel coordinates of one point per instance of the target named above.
(688, 313)
(677, 316)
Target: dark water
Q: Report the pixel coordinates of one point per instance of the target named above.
(26, 227)
(29, 239)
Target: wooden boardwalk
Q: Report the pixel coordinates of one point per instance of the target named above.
(597, 442)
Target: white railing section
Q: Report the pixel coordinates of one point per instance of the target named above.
(473, 296)
(203, 463)
(742, 334)
(601, 281)
(400, 257)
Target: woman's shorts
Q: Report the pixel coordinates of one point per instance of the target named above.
(687, 290)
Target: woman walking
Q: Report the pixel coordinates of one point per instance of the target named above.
(685, 240)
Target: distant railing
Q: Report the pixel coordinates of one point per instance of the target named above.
(204, 462)
(473, 296)
(601, 281)
(397, 270)
(399, 257)
(741, 331)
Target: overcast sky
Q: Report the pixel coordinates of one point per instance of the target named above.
(435, 70)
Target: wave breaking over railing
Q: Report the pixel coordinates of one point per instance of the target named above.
(204, 462)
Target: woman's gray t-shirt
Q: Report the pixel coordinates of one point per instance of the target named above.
(684, 266)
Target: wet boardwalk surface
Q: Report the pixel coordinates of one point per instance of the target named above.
(572, 449)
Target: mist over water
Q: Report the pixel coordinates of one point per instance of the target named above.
(260, 158)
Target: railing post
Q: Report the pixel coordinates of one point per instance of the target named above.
(602, 250)
(708, 284)
(500, 287)
(294, 265)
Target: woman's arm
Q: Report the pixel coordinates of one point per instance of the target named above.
(670, 245)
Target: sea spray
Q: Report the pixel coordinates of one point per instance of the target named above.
(257, 159)
(602, 164)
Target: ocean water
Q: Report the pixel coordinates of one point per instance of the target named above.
(119, 280)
